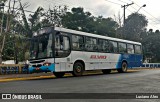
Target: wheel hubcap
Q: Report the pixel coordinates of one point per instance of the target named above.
(78, 69)
(124, 67)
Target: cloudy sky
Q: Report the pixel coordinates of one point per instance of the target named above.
(107, 8)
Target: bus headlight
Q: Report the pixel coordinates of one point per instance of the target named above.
(47, 64)
(29, 66)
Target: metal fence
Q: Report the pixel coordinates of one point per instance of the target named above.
(13, 69)
(151, 65)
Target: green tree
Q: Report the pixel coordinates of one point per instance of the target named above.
(8, 52)
(53, 16)
(151, 47)
(12, 28)
(3, 35)
(105, 26)
(135, 24)
(34, 19)
(151, 44)
(77, 19)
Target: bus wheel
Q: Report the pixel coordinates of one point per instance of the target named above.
(59, 74)
(106, 71)
(78, 69)
(123, 69)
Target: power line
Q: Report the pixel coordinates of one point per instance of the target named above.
(152, 15)
(124, 7)
(122, 1)
(153, 24)
(148, 13)
(113, 2)
(145, 11)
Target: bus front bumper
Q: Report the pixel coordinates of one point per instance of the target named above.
(50, 68)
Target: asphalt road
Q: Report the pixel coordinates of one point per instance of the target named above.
(143, 81)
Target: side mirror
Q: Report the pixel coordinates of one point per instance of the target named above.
(61, 39)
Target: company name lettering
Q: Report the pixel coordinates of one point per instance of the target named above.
(98, 57)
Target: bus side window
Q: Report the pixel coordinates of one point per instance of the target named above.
(49, 46)
(138, 49)
(130, 48)
(62, 45)
(91, 44)
(122, 47)
(77, 42)
(66, 44)
(103, 45)
(113, 46)
(87, 44)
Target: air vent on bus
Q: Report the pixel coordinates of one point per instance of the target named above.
(38, 61)
(39, 65)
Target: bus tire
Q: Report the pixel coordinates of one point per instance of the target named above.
(59, 74)
(123, 68)
(106, 71)
(78, 69)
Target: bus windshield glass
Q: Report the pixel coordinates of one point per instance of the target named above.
(41, 47)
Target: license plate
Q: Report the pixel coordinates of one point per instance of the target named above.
(37, 68)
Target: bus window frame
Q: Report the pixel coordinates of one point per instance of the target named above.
(133, 48)
(125, 50)
(94, 44)
(99, 44)
(83, 43)
(62, 34)
(38, 45)
(140, 49)
(117, 46)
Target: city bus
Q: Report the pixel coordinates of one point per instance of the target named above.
(60, 50)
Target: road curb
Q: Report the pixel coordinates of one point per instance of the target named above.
(50, 76)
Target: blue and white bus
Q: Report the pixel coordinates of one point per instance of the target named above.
(60, 50)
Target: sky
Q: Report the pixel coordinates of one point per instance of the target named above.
(107, 8)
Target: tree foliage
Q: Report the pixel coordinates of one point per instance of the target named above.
(135, 24)
(34, 19)
(53, 16)
(77, 19)
(151, 45)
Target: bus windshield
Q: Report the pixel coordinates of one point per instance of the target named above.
(41, 47)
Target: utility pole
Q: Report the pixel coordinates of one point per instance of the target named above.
(2, 7)
(14, 5)
(124, 7)
(15, 51)
(8, 17)
(124, 21)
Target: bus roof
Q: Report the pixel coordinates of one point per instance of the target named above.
(93, 35)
